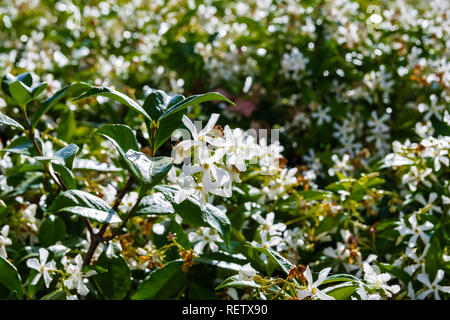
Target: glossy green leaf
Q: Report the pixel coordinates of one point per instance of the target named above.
(124, 139)
(9, 277)
(192, 100)
(282, 262)
(116, 282)
(37, 90)
(154, 204)
(52, 230)
(236, 282)
(20, 92)
(433, 258)
(162, 283)
(84, 204)
(65, 174)
(117, 96)
(191, 212)
(150, 171)
(67, 154)
(341, 278)
(5, 120)
(341, 291)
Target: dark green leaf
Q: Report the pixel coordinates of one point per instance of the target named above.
(191, 212)
(154, 204)
(235, 282)
(5, 120)
(162, 283)
(9, 277)
(52, 230)
(116, 282)
(117, 96)
(65, 174)
(150, 171)
(84, 204)
(20, 92)
(341, 291)
(72, 90)
(68, 154)
(192, 100)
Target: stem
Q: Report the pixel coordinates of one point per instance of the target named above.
(96, 238)
(124, 222)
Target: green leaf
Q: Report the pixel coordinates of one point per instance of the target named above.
(93, 214)
(37, 90)
(154, 204)
(116, 282)
(284, 264)
(161, 230)
(55, 295)
(399, 273)
(155, 103)
(84, 204)
(235, 282)
(224, 260)
(9, 277)
(315, 194)
(150, 171)
(20, 92)
(65, 174)
(8, 79)
(23, 145)
(67, 125)
(52, 230)
(123, 138)
(341, 291)
(67, 154)
(341, 278)
(192, 100)
(117, 96)
(191, 212)
(5, 120)
(25, 78)
(167, 126)
(433, 258)
(162, 283)
(72, 90)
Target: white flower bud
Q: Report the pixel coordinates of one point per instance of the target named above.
(247, 273)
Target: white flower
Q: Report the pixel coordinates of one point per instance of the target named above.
(431, 199)
(42, 266)
(205, 237)
(419, 261)
(340, 165)
(312, 287)
(432, 287)
(378, 124)
(75, 280)
(359, 265)
(268, 225)
(415, 175)
(237, 149)
(432, 109)
(378, 280)
(128, 201)
(199, 138)
(415, 230)
(4, 241)
(247, 273)
(322, 115)
(365, 296)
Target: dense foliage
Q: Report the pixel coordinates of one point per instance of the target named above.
(319, 169)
